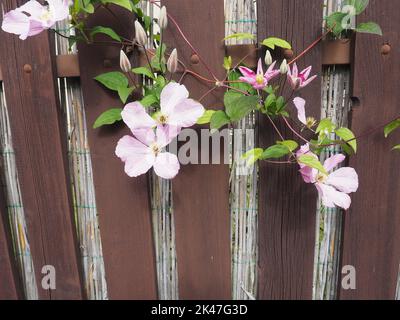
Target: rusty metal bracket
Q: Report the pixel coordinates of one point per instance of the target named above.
(334, 52)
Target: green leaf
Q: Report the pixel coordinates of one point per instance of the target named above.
(218, 120)
(325, 127)
(124, 93)
(107, 31)
(275, 152)
(108, 117)
(290, 144)
(240, 36)
(252, 156)
(144, 71)
(348, 136)
(359, 5)
(113, 80)
(206, 117)
(369, 27)
(237, 108)
(149, 100)
(312, 162)
(273, 42)
(122, 3)
(334, 22)
(391, 127)
(396, 147)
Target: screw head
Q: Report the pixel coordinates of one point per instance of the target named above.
(385, 49)
(27, 68)
(194, 59)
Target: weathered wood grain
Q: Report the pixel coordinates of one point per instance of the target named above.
(287, 206)
(122, 202)
(10, 288)
(201, 192)
(372, 225)
(40, 147)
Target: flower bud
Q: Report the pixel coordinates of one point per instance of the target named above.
(163, 20)
(268, 58)
(284, 67)
(140, 34)
(172, 63)
(124, 62)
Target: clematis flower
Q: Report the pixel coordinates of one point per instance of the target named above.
(177, 112)
(300, 104)
(334, 188)
(299, 80)
(258, 80)
(146, 151)
(32, 18)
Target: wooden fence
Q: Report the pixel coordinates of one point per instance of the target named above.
(181, 245)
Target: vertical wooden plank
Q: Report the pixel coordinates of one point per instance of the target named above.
(287, 205)
(201, 192)
(122, 202)
(39, 142)
(9, 283)
(372, 225)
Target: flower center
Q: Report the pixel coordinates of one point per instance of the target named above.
(321, 178)
(155, 148)
(260, 79)
(310, 122)
(163, 119)
(46, 16)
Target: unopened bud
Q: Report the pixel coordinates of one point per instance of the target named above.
(140, 34)
(124, 62)
(172, 63)
(284, 67)
(268, 58)
(163, 20)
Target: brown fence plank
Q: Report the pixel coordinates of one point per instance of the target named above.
(287, 205)
(201, 192)
(10, 288)
(41, 158)
(372, 225)
(122, 202)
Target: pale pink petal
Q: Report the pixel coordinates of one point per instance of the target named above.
(59, 9)
(344, 179)
(308, 174)
(270, 69)
(172, 94)
(138, 158)
(307, 82)
(251, 81)
(305, 73)
(247, 73)
(260, 67)
(186, 113)
(145, 135)
(333, 161)
(301, 111)
(136, 117)
(295, 70)
(17, 23)
(331, 197)
(33, 8)
(165, 134)
(35, 27)
(166, 165)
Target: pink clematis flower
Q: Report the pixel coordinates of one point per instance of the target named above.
(32, 18)
(146, 151)
(177, 112)
(258, 80)
(334, 187)
(299, 80)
